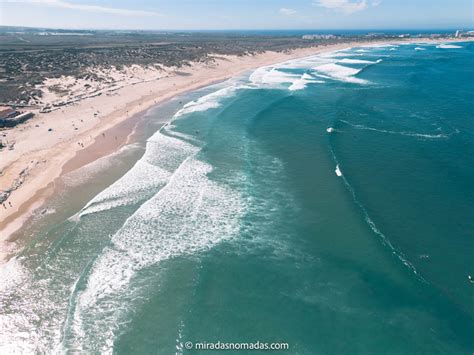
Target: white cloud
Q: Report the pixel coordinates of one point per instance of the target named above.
(287, 12)
(376, 2)
(90, 8)
(346, 6)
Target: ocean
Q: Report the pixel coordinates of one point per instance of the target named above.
(326, 203)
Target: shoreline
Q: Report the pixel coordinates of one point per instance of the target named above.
(68, 147)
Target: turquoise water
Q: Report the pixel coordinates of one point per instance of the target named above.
(326, 203)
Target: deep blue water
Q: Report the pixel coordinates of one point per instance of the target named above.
(326, 202)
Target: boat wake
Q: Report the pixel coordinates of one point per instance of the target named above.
(401, 133)
(372, 224)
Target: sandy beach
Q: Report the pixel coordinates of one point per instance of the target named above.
(54, 142)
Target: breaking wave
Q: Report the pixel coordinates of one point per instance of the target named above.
(164, 153)
(190, 214)
(209, 101)
(358, 61)
(302, 82)
(181, 212)
(269, 76)
(340, 72)
(448, 46)
(162, 157)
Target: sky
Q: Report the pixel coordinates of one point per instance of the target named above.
(238, 14)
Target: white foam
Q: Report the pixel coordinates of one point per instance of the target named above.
(271, 76)
(188, 216)
(381, 45)
(301, 83)
(358, 61)
(19, 332)
(420, 49)
(207, 102)
(12, 273)
(169, 181)
(340, 72)
(305, 62)
(448, 46)
(162, 157)
(164, 153)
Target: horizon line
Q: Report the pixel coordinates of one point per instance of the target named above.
(243, 29)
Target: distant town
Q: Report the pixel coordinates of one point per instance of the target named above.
(381, 35)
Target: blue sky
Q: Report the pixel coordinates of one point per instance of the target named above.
(239, 14)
